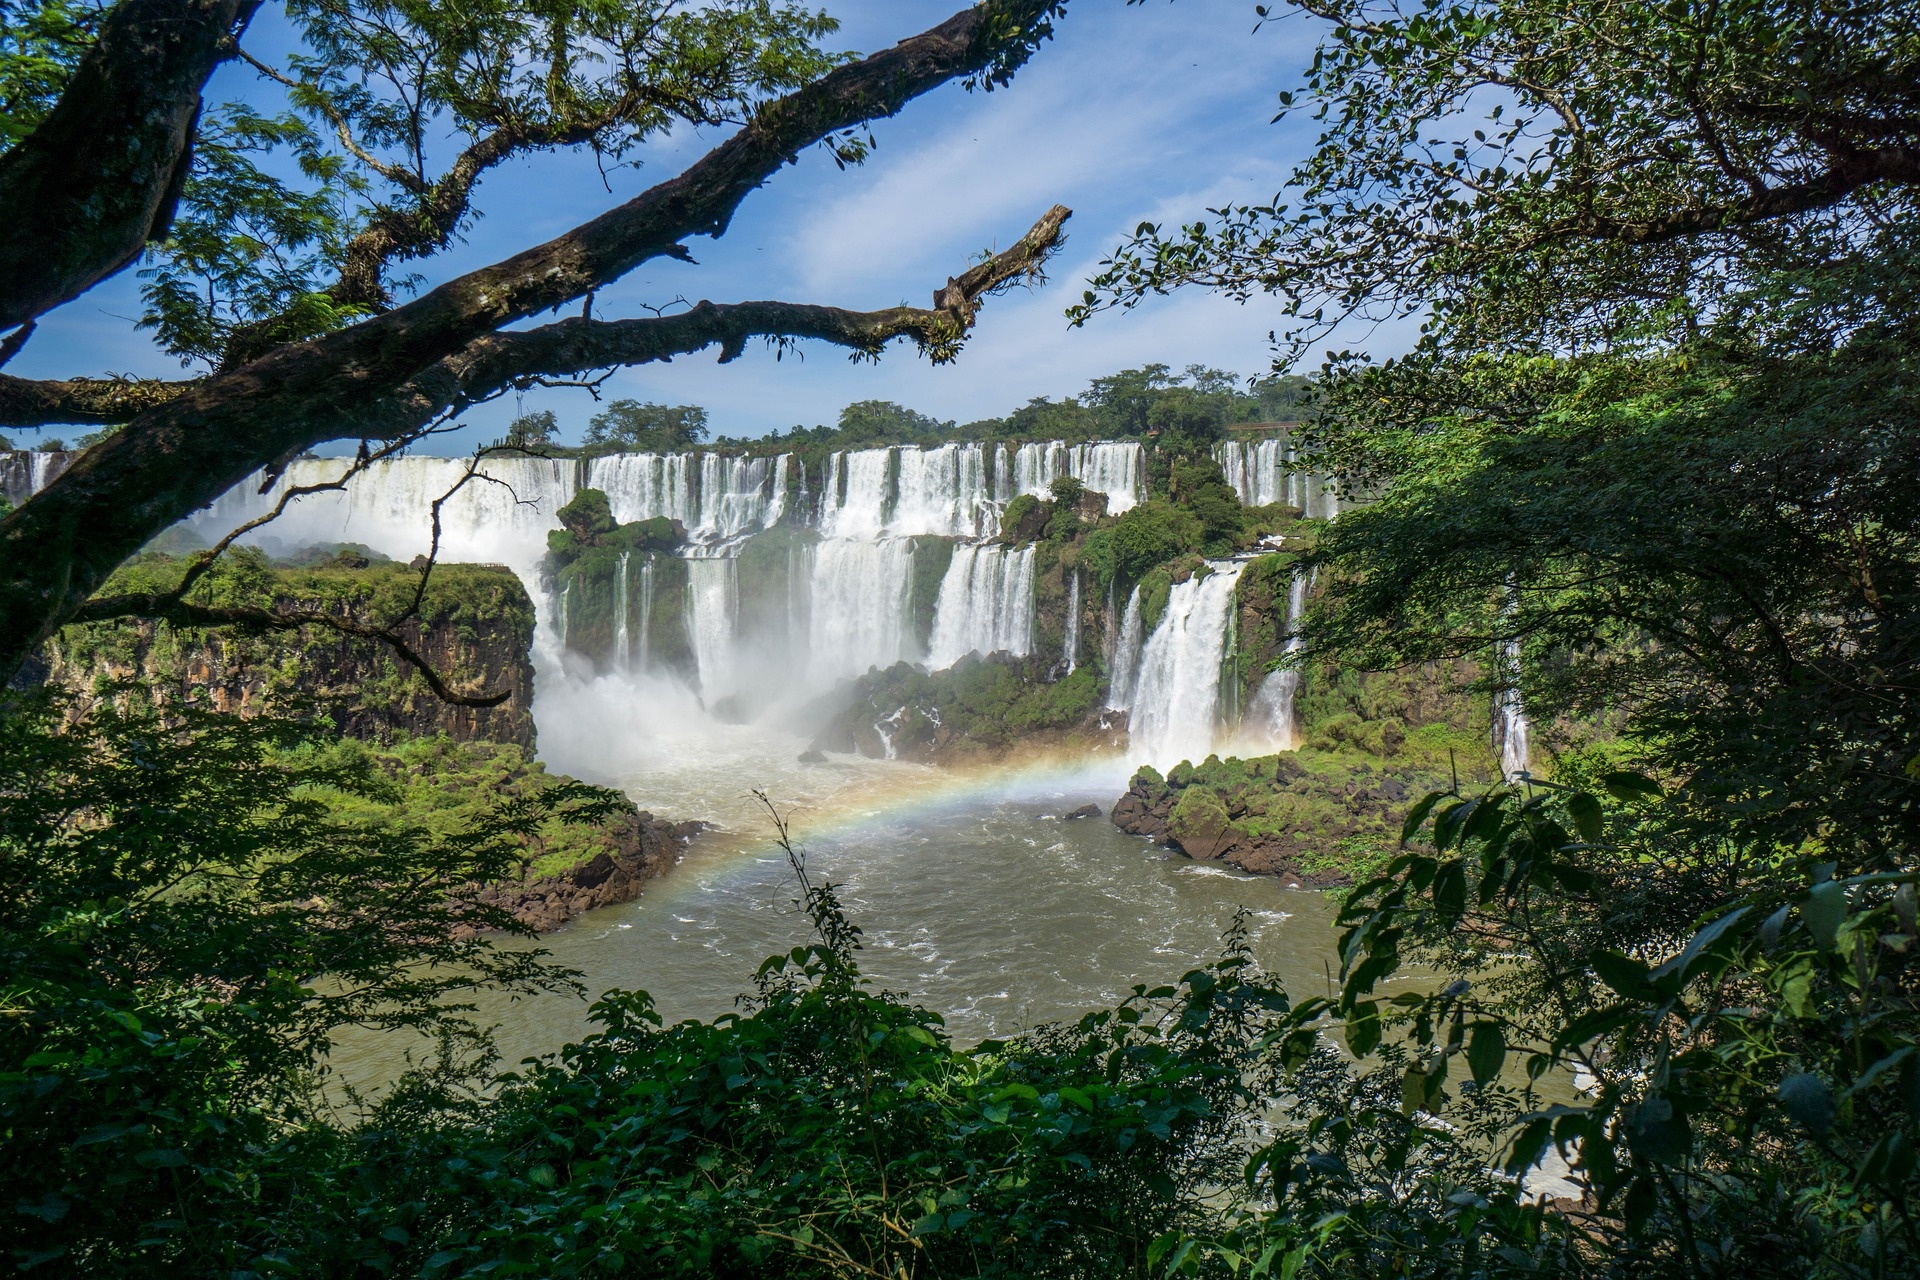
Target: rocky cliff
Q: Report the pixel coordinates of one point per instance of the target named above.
(639, 847)
(1312, 818)
(475, 626)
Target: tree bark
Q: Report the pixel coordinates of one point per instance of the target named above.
(179, 456)
(99, 178)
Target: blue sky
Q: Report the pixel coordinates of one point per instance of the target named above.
(1148, 112)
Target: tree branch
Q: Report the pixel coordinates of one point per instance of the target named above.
(1849, 172)
(578, 344)
(177, 457)
(25, 402)
(99, 178)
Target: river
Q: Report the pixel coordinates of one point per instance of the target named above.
(975, 896)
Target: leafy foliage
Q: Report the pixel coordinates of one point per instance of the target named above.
(1569, 175)
(40, 43)
(630, 426)
(187, 928)
(265, 251)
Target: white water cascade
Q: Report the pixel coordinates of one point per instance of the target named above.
(985, 604)
(1113, 467)
(622, 641)
(861, 592)
(1272, 711)
(1126, 656)
(1071, 645)
(1510, 723)
(1176, 697)
(1263, 472)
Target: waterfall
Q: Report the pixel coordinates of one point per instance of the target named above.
(621, 643)
(985, 604)
(646, 612)
(1260, 471)
(712, 606)
(777, 500)
(24, 473)
(1510, 720)
(859, 510)
(1126, 656)
(1264, 472)
(1072, 646)
(1273, 706)
(1176, 697)
(1113, 467)
(942, 491)
(859, 594)
(1003, 491)
(847, 581)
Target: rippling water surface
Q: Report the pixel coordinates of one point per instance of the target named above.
(975, 896)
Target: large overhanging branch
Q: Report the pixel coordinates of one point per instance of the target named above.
(177, 457)
(99, 177)
(574, 346)
(26, 402)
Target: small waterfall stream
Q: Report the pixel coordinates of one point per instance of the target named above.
(985, 604)
(1126, 656)
(1272, 711)
(1176, 697)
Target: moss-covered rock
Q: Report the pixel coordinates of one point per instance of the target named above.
(1310, 817)
(474, 625)
(979, 707)
(443, 786)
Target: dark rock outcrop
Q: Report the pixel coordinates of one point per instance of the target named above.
(1084, 811)
(645, 847)
(1307, 818)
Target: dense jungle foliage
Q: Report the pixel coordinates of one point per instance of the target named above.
(1652, 460)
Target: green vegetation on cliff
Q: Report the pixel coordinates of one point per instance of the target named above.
(474, 620)
(979, 706)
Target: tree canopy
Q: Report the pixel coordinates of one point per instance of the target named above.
(290, 293)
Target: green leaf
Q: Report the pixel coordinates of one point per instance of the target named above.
(1682, 965)
(1642, 1199)
(1417, 816)
(1528, 1146)
(1808, 1099)
(1624, 785)
(1625, 975)
(1450, 891)
(1588, 820)
(1413, 1091)
(1890, 1162)
(1363, 1029)
(1825, 910)
(1658, 1131)
(1486, 1052)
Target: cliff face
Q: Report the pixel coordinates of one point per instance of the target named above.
(475, 627)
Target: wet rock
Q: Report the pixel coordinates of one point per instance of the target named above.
(813, 755)
(1084, 811)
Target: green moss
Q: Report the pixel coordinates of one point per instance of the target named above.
(1148, 535)
(443, 786)
(1328, 814)
(1023, 519)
